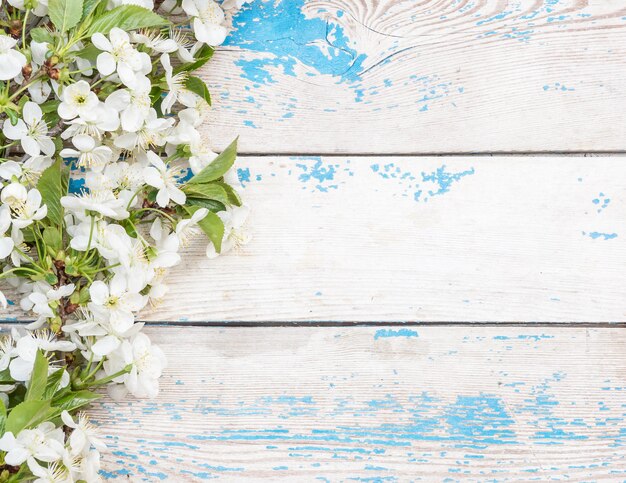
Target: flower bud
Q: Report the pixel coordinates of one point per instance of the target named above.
(15, 28)
(27, 70)
(54, 74)
(64, 76)
(56, 324)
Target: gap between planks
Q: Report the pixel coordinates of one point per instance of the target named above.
(424, 154)
(339, 324)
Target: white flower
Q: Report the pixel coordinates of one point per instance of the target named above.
(14, 195)
(32, 132)
(39, 91)
(44, 443)
(135, 267)
(10, 168)
(119, 55)
(155, 40)
(11, 61)
(162, 178)
(153, 132)
(18, 241)
(89, 154)
(27, 172)
(175, 84)
(90, 467)
(7, 349)
(28, 210)
(39, 302)
(187, 229)
(26, 349)
(53, 473)
(40, 6)
(201, 152)
(166, 246)
(234, 236)
(208, 21)
(103, 202)
(6, 242)
(77, 100)
(94, 122)
(187, 47)
(132, 104)
(148, 362)
(85, 434)
(115, 303)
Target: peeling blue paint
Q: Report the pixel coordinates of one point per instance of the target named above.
(288, 37)
(384, 333)
(317, 175)
(602, 202)
(602, 236)
(435, 183)
(444, 179)
(243, 174)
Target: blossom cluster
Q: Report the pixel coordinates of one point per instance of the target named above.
(104, 178)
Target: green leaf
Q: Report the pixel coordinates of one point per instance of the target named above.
(126, 17)
(89, 6)
(3, 416)
(38, 378)
(203, 55)
(5, 377)
(218, 166)
(90, 53)
(53, 383)
(27, 414)
(65, 14)
(53, 186)
(50, 114)
(212, 225)
(52, 238)
(207, 191)
(40, 34)
(198, 86)
(12, 115)
(74, 400)
(233, 196)
(49, 106)
(210, 205)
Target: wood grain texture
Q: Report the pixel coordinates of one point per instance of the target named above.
(415, 239)
(377, 404)
(407, 77)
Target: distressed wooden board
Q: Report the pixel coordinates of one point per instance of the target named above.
(377, 404)
(404, 77)
(427, 239)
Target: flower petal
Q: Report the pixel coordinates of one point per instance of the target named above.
(105, 63)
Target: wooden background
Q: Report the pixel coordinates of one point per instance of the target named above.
(435, 286)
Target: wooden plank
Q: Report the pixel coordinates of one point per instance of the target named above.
(427, 239)
(378, 404)
(422, 77)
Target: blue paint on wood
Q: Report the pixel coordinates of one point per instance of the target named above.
(601, 236)
(434, 183)
(384, 333)
(317, 175)
(288, 37)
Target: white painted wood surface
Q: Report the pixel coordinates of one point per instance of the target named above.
(371, 235)
(496, 239)
(404, 77)
(385, 403)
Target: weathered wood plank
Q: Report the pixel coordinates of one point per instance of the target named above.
(380, 404)
(422, 77)
(428, 239)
